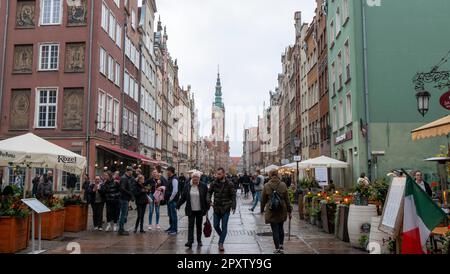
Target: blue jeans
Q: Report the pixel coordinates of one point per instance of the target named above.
(257, 199)
(222, 231)
(172, 212)
(153, 207)
(123, 214)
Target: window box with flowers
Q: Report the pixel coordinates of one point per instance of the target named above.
(76, 214)
(14, 222)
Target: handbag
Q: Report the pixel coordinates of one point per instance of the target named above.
(207, 229)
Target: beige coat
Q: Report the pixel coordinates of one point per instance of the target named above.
(275, 217)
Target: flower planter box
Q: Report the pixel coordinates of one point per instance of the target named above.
(14, 234)
(341, 226)
(52, 224)
(328, 215)
(76, 218)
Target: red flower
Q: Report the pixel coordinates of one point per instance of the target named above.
(434, 184)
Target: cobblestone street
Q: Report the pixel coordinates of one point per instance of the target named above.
(247, 234)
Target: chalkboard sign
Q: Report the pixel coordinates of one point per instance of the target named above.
(393, 208)
(36, 205)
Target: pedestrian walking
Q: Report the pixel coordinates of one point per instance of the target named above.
(223, 203)
(141, 198)
(195, 196)
(85, 186)
(252, 187)
(97, 200)
(35, 183)
(246, 184)
(277, 207)
(171, 196)
(153, 184)
(45, 187)
(126, 195)
(112, 196)
(259, 183)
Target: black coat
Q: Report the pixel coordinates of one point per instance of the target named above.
(140, 194)
(186, 198)
(428, 189)
(111, 190)
(126, 188)
(224, 196)
(91, 194)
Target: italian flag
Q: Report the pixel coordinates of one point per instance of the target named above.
(421, 216)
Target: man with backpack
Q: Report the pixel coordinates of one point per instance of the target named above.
(259, 182)
(277, 207)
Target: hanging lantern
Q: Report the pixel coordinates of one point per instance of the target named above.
(423, 102)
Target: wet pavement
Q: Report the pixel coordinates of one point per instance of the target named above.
(247, 234)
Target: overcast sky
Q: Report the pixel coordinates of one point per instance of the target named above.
(246, 38)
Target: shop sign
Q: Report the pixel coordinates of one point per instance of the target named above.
(344, 138)
(445, 100)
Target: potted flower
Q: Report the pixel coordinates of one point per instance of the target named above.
(328, 212)
(362, 194)
(52, 223)
(379, 190)
(307, 204)
(76, 214)
(14, 222)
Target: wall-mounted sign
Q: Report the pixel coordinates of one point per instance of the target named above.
(445, 100)
(344, 138)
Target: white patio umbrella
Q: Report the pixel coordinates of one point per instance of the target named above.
(269, 168)
(323, 161)
(32, 151)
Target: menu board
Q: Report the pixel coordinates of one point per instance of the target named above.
(36, 205)
(392, 213)
(322, 176)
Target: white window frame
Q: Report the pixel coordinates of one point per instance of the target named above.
(117, 75)
(126, 83)
(105, 17)
(50, 45)
(133, 19)
(38, 105)
(51, 13)
(341, 114)
(335, 119)
(103, 62)
(109, 103)
(117, 2)
(116, 115)
(101, 109)
(125, 121)
(111, 68)
(119, 35)
(112, 26)
(348, 107)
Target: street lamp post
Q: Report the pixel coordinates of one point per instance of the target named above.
(297, 157)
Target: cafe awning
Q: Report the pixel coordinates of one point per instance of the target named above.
(128, 154)
(437, 128)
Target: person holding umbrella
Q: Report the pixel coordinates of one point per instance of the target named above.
(277, 207)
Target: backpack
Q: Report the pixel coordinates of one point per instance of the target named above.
(275, 202)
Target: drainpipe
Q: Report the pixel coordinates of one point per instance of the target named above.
(123, 78)
(2, 69)
(366, 91)
(88, 118)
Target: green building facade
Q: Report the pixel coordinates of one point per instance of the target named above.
(372, 95)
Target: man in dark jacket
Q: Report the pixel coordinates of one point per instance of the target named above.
(35, 183)
(126, 195)
(224, 202)
(45, 187)
(171, 196)
(71, 183)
